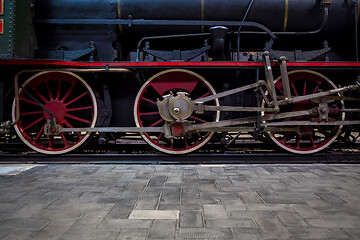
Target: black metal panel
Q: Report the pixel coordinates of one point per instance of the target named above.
(76, 9)
(24, 35)
(1, 101)
(7, 35)
(77, 37)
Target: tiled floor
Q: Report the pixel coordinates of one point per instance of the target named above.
(181, 202)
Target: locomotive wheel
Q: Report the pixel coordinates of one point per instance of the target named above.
(309, 139)
(146, 113)
(72, 103)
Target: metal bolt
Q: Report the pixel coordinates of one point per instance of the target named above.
(176, 111)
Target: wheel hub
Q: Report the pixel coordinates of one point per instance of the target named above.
(57, 108)
(175, 108)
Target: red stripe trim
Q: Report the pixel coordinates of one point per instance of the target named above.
(1, 26)
(1, 7)
(170, 64)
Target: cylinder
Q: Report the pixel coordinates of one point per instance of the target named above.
(277, 15)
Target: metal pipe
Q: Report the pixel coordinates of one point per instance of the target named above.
(318, 95)
(270, 79)
(350, 110)
(325, 20)
(114, 129)
(308, 123)
(247, 120)
(285, 78)
(326, 17)
(172, 23)
(202, 23)
(230, 92)
(237, 109)
(238, 40)
(185, 9)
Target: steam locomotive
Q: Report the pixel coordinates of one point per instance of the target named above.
(179, 73)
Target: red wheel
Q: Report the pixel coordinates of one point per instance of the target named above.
(146, 112)
(72, 103)
(307, 139)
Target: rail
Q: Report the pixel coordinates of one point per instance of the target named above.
(197, 158)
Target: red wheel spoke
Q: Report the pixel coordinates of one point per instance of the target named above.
(51, 142)
(71, 126)
(68, 124)
(31, 113)
(58, 90)
(40, 95)
(186, 142)
(198, 119)
(304, 93)
(323, 131)
(78, 109)
(159, 137)
(316, 88)
(312, 141)
(200, 136)
(148, 100)
(39, 133)
(49, 91)
(172, 143)
(77, 118)
(75, 99)
(148, 114)
(64, 139)
(33, 123)
(156, 123)
(206, 94)
(280, 89)
(285, 137)
(68, 92)
(298, 142)
(293, 87)
(29, 101)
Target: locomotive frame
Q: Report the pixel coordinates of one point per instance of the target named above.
(301, 111)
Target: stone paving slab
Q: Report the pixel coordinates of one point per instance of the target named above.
(180, 202)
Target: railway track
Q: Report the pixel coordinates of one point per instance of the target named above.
(203, 158)
(244, 151)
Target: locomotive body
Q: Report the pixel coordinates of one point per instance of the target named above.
(279, 16)
(180, 73)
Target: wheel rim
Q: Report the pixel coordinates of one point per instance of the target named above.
(146, 113)
(72, 103)
(311, 139)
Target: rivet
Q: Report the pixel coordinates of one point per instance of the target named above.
(176, 111)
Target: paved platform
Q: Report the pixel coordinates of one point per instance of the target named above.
(180, 202)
